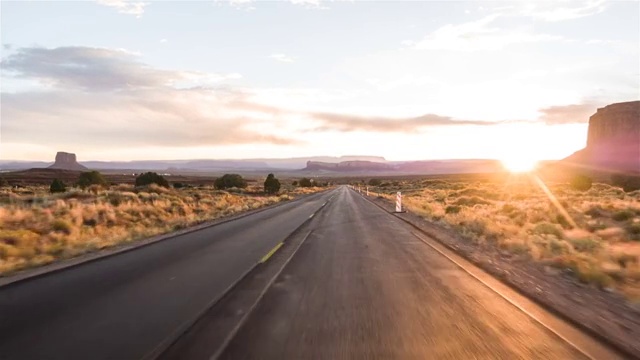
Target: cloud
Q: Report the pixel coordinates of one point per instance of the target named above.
(348, 123)
(126, 7)
(476, 35)
(551, 12)
(569, 114)
(281, 58)
(107, 97)
(98, 69)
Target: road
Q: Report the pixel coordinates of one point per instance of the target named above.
(359, 285)
(124, 306)
(362, 286)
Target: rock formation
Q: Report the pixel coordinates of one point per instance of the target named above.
(613, 141)
(67, 161)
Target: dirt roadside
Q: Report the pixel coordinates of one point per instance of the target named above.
(606, 315)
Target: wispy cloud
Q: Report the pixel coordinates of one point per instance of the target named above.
(569, 114)
(98, 69)
(106, 94)
(282, 58)
(553, 11)
(476, 35)
(348, 123)
(126, 7)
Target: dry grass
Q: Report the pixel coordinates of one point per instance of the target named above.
(37, 228)
(515, 215)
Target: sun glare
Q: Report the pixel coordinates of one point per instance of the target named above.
(519, 164)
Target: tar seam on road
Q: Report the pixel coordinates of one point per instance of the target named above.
(182, 329)
(245, 316)
(606, 345)
(271, 252)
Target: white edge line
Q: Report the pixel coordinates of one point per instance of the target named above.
(505, 297)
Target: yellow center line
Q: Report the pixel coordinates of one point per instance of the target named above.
(270, 253)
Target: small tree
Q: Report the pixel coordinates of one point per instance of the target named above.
(271, 184)
(581, 183)
(306, 182)
(89, 178)
(57, 186)
(229, 181)
(151, 178)
(295, 183)
(375, 182)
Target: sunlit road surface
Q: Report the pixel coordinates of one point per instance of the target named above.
(124, 306)
(362, 286)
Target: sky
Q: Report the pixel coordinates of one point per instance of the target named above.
(133, 80)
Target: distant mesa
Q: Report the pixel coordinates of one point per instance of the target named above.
(67, 161)
(613, 141)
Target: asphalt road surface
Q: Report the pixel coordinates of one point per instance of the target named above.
(124, 306)
(361, 285)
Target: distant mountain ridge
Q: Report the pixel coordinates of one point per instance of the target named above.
(295, 163)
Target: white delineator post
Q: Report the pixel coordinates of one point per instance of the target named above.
(398, 202)
(367, 191)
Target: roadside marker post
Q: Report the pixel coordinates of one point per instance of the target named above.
(367, 191)
(399, 202)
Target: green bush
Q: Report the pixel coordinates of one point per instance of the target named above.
(271, 184)
(57, 186)
(581, 183)
(229, 181)
(149, 178)
(306, 182)
(294, 183)
(375, 182)
(89, 178)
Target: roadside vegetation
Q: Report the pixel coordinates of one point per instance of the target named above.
(42, 224)
(599, 243)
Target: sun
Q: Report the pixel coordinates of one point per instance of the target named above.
(519, 164)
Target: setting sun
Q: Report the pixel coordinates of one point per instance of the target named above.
(519, 164)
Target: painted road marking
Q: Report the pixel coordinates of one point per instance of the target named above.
(270, 253)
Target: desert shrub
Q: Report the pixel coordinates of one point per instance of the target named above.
(294, 183)
(375, 182)
(628, 183)
(624, 260)
(595, 212)
(471, 201)
(57, 186)
(581, 183)
(61, 226)
(622, 215)
(89, 178)
(634, 229)
(452, 209)
(585, 244)
(306, 182)
(179, 185)
(149, 178)
(228, 181)
(271, 184)
(545, 228)
(3, 182)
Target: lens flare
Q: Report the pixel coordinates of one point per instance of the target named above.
(519, 164)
